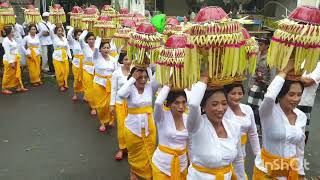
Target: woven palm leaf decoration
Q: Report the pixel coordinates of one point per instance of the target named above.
(32, 15)
(297, 38)
(145, 41)
(218, 46)
(7, 15)
(104, 28)
(122, 37)
(57, 14)
(76, 17)
(171, 63)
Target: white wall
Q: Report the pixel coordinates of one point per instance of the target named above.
(290, 4)
(314, 3)
(175, 7)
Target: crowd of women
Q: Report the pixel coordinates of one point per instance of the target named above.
(201, 136)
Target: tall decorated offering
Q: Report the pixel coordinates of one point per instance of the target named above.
(144, 44)
(76, 15)
(57, 14)
(7, 15)
(122, 36)
(171, 63)
(32, 15)
(217, 45)
(104, 28)
(90, 16)
(296, 39)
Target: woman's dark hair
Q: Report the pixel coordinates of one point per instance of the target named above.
(121, 57)
(88, 36)
(76, 31)
(229, 87)
(31, 26)
(207, 95)
(103, 43)
(173, 95)
(7, 30)
(138, 69)
(56, 29)
(286, 87)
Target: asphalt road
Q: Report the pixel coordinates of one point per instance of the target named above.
(45, 136)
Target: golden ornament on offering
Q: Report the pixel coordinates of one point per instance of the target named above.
(104, 28)
(32, 15)
(218, 45)
(146, 40)
(122, 37)
(7, 15)
(57, 14)
(298, 39)
(76, 15)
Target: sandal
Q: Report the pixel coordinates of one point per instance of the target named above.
(74, 98)
(22, 90)
(119, 155)
(133, 176)
(7, 92)
(102, 128)
(93, 112)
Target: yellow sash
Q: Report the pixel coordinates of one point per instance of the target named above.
(175, 163)
(244, 139)
(63, 53)
(88, 63)
(140, 110)
(218, 172)
(80, 74)
(108, 82)
(125, 108)
(33, 51)
(18, 70)
(278, 166)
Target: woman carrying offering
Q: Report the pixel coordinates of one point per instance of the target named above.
(170, 159)
(243, 115)
(11, 62)
(60, 57)
(104, 68)
(283, 127)
(32, 49)
(77, 62)
(215, 145)
(87, 40)
(140, 129)
(118, 106)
